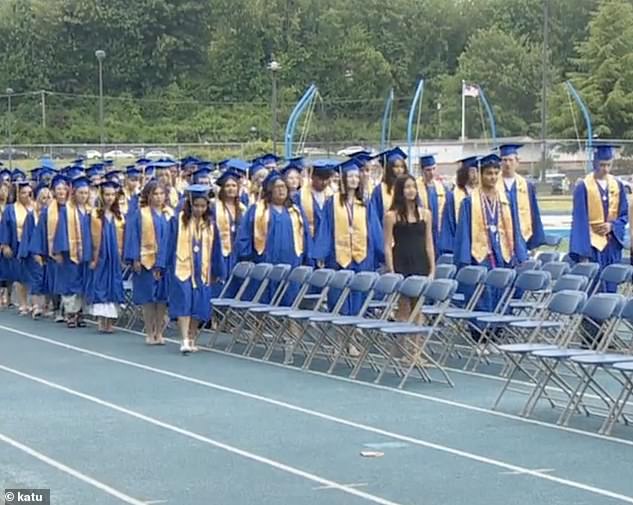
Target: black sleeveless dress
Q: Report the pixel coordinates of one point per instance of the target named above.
(409, 250)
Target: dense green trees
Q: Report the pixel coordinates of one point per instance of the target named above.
(196, 70)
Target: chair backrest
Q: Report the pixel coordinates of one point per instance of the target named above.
(444, 259)
(568, 259)
(567, 302)
(546, 257)
(387, 284)
(445, 271)
(627, 311)
(260, 271)
(603, 306)
(440, 291)
(556, 269)
(340, 279)
(616, 273)
(570, 282)
(533, 280)
(589, 270)
(279, 273)
(363, 282)
(300, 274)
(413, 286)
(242, 269)
(320, 278)
(471, 275)
(553, 240)
(240, 273)
(500, 278)
(531, 264)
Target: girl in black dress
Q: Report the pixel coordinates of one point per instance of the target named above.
(408, 236)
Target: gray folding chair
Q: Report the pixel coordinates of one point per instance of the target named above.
(556, 269)
(546, 257)
(445, 259)
(445, 271)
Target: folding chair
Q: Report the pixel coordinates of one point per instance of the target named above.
(599, 312)
(587, 269)
(469, 280)
(445, 271)
(529, 264)
(546, 257)
(556, 269)
(397, 336)
(561, 317)
(568, 259)
(615, 277)
(553, 240)
(445, 259)
(412, 289)
(293, 323)
(238, 310)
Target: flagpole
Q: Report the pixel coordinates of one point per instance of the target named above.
(463, 113)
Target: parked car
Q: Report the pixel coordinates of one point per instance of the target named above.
(117, 154)
(91, 154)
(65, 153)
(13, 153)
(157, 153)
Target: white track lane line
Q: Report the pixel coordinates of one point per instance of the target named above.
(404, 438)
(209, 441)
(71, 471)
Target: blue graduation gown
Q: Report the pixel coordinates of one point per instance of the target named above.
(104, 284)
(580, 248)
(15, 269)
(279, 248)
(538, 233)
(229, 261)
(434, 207)
(448, 229)
(37, 274)
(65, 278)
(184, 299)
(244, 198)
(145, 288)
(463, 253)
(325, 250)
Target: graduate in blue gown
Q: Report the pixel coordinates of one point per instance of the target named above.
(485, 234)
(526, 215)
(292, 172)
(432, 196)
(131, 191)
(274, 231)
(63, 236)
(599, 214)
(228, 212)
(104, 279)
(193, 261)
(466, 180)
(5, 190)
(11, 234)
(257, 172)
(350, 235)
(37, 270)
(393, 162)
(146, 235)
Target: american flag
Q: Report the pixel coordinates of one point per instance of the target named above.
(470, 90)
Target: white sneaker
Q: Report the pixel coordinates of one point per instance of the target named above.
(185, 348)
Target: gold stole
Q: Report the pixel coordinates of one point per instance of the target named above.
(595, 210)
(480, 247)
(96, 232)
(149, 246)
(524, 208)
(173, 197)
(52, 217)
(458, 197)
(20, 216)
(350, 243)
(185, 255)
(75, 244)
(307, 203)
(387, 197)
(223, 220)
(441, 198)
(260, 232)
(124, 201)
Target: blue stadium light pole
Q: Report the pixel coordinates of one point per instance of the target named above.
(100, 57)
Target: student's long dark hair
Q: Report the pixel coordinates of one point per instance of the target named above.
(358, 192)
(222, 197)
(267, 193)
(389, 177)
(399, 202)
(115, 208)
(187, 210)
(462, 177)
(147, 191)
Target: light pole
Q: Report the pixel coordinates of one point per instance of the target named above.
(274, 67)
(439, 120)
(9, 92)
(544, 90)
(100, 57)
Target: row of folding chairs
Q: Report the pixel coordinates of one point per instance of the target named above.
(314, 331)
(577, 356)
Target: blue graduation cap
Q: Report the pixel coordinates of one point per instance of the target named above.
(81, 182)
(469, 162)
(5, 174)
(108, 162)
(58, 180)
(201, 172)
(18, 175)
(22, 183)
(293, 164)
(143, 161)
(46, 172)
(79, 161)
(110, 183)
(392, 155)
(114, 175)
(227, 175)
(197, 191)
(39, 188)
(188, 160)
(351, 164)
(238, 165)
(150, 171)
(75, 172)
(94, 171)
(491, 160)
(271, 178)
(257, 166)
(132, 171)
(428, 161)
(324, 168)
(509, 149)
(35, 173)
(604, 152)
(267, 159)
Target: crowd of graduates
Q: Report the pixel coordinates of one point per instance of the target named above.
(70, 237)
